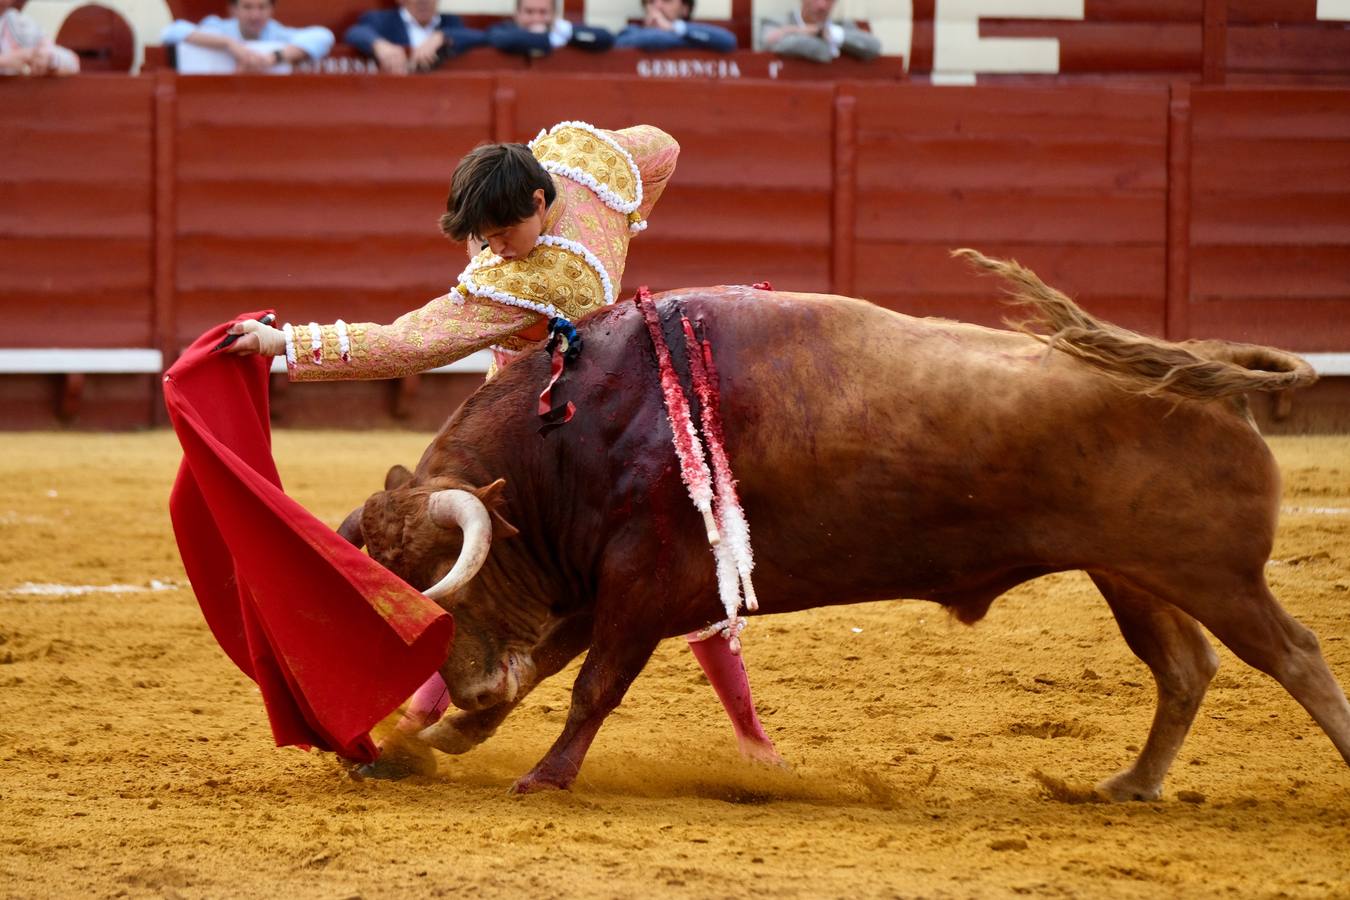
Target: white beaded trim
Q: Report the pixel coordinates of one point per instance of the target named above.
(478, 262)
(482, 262)
(547, 309)
(544, 309)
(316, 343)
(344, 342)
(727, 628)
(603, 191)
(289, 332)
(591, 260)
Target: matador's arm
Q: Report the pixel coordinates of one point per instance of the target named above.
(655, 154)
(444, 330)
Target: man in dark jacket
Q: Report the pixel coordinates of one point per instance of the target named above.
(667, 25)
(412, 38)
(537, 29)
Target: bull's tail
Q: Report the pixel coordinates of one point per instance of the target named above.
(1201, 370)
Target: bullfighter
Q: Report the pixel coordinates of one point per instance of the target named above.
(554, 219)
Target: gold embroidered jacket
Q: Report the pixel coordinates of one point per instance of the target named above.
(607, 183)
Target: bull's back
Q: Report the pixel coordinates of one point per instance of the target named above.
(883, 455)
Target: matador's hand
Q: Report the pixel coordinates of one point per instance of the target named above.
(257, 338)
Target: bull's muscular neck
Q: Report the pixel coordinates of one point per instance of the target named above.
(547, 568)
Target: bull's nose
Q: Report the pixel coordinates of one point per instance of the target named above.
(485, 692)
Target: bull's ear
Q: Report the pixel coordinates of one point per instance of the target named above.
(493, 498)
(350, 529)
(396, 477)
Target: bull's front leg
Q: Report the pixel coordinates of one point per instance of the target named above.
(615, 659)
(462, 731)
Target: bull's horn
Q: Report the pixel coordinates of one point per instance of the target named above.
(350, 528)
(462, 510)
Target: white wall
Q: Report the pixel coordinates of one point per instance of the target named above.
(147, 19)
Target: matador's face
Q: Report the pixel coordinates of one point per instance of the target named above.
(516, 241)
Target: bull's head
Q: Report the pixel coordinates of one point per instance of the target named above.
(436, 535)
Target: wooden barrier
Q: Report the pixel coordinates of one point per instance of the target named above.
(76, 244)
(1270, 253)
(1187, 211)
(1284, 41)
(1070, 180)
(76, 205)
(320, 202)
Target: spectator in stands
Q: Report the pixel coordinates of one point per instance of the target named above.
(412, 38)
(537, 29)
(666, 26)
(25, 50)
(811, 33)
(251, 21)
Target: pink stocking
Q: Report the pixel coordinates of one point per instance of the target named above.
(401, 753)
(726, 671)
(427, 705)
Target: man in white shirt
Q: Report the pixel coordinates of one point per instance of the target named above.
(252, 24)
(25, 50)
(811, 34)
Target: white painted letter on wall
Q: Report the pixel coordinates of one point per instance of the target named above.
(959, 53)
(1334, 10)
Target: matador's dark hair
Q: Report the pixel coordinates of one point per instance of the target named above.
(493, 187)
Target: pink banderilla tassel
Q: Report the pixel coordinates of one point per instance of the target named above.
(730, 515)
(688, 448)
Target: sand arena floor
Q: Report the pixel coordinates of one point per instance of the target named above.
(135, 760)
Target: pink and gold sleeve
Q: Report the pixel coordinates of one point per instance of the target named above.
(655, 153)
(446, 329)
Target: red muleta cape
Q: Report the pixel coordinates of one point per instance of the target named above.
(334, 641)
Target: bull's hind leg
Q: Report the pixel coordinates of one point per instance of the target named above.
(1177, 652)
(1242, 612)
(726, 672)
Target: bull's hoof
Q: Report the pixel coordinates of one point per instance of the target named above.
(536, 782)
(398, 760)
(1127, 786)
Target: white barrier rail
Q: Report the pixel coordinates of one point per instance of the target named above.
(137, 361)
(128, 361)
(142, 361)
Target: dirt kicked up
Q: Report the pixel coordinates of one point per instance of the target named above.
(927, 759)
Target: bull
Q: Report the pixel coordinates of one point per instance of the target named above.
(878, 456)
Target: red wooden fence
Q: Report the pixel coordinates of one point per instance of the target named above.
(1270, 216)
(320, 202)
(135, 212)
(76, 212)
(1071, 180)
